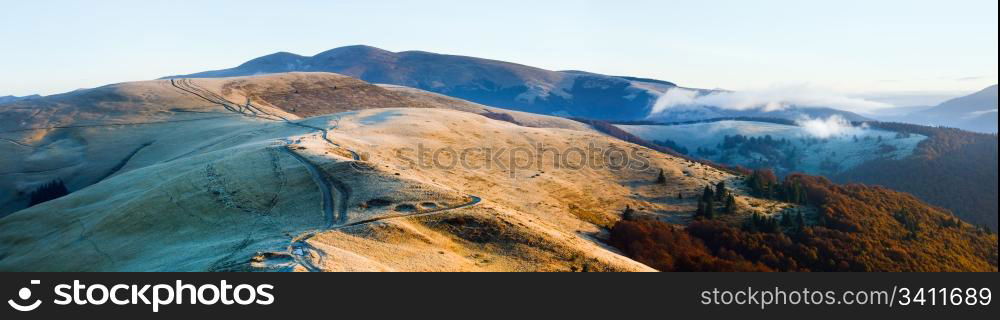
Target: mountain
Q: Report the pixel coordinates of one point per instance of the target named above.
(952, 168)
(324, 172)
(985, 99)
(9, 99)
(976, 112)
(308, 172)
(489, 82)
(578, 94)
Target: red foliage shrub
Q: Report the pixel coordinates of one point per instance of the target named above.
(667, 248)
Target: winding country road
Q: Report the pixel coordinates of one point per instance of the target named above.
(334, 210)
(327, 189)
(475, 200)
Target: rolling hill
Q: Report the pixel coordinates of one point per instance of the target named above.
(309, 172)
(509, 85)
(950, 168)
(324, 172)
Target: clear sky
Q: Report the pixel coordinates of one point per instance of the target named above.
(858, 47)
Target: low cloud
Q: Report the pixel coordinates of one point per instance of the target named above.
(770, 99)
(834, 126)
(980, 113)
(972, 78)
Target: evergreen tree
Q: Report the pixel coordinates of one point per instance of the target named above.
(662, 178)
(750, 225)
(701, 209)
(49, 191)
(708, 195)
(720, 191)
(628, 214)
(786, 220)
(731, 205)
(710, 210)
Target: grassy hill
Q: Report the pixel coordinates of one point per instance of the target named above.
(322, 172)
(312, 172)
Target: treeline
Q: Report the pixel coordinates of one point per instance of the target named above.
(773, 152)
(763, 183)
(954, 169)
(49, 191)
(672, 145)
(858, 228)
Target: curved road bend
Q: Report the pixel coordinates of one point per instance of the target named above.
(327, 186)
(475, 200)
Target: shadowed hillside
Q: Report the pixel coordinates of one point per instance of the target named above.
(857, 228)
(953, 169)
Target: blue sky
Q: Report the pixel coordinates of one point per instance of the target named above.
(859, 47)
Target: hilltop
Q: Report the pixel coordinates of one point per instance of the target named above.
(315, 173)
(509, 85)
(324, 172)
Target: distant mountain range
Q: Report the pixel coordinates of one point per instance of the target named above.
(503, 84)
(9, 99)
(976, 112)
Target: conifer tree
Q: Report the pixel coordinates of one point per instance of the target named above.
(709, 210)
(731, 205)
(708, 195)
(720, 191)
(49, 191)
(628, 214)
(701, 209)
(786, 220)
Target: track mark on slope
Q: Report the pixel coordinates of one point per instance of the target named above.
(17, 143)
(121, 164)
(93, 245)
(327, 188)
(116, 124)
(299, 248)
(474, 201)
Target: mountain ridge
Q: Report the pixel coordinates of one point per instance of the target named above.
(9, 99)
(974, 112)
(569, 93)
